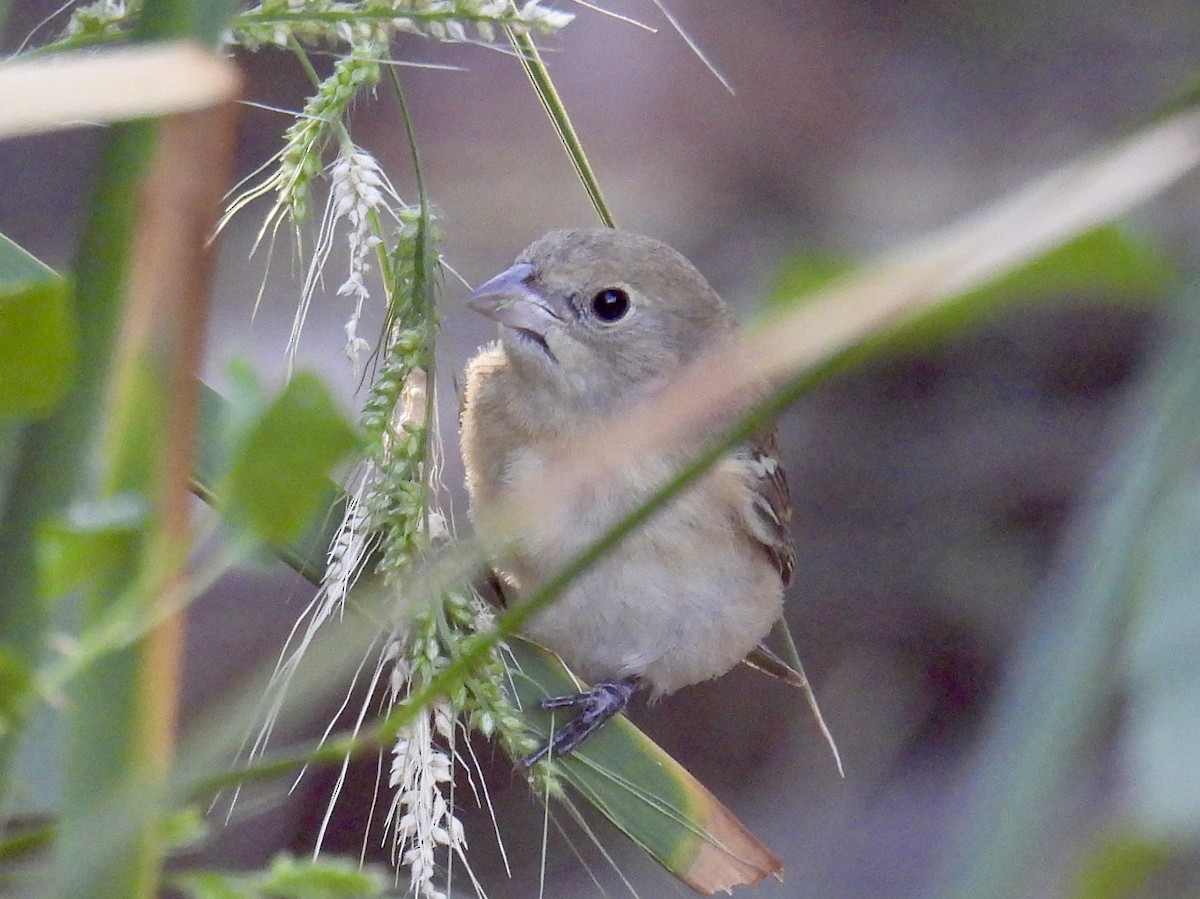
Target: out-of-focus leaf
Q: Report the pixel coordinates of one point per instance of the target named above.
(15, 679)
(225, 423)
(96, 538)
(288, 878)
(644, 792)
(279, 478)
(1104, 264)
(37, 334)
(1118, 866)
(327, 878)
(1161, 733)
(803, 274)
(185, 827)
(904, 286)
(215, 885)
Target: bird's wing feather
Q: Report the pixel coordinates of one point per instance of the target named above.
(770, 506)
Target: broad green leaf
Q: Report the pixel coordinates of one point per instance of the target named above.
(649, 796)
(37, 335)
(279, 478)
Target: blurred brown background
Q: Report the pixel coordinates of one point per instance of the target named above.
(930, 488)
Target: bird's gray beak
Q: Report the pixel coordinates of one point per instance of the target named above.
(509, 299)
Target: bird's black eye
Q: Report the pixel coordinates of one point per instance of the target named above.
(610, 304)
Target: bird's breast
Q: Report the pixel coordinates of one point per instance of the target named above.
(681, 599)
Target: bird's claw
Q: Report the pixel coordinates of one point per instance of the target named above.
(597, 705)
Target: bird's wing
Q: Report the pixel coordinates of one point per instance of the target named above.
(770, 506)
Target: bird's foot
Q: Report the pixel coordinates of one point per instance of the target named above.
(597, 705)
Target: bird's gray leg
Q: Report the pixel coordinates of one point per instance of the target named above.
(597, 705)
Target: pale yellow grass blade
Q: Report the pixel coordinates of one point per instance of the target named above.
(53, 92)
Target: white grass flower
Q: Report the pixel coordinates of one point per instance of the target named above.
(362, 196)
(544, 21)
(294, 167)
(441, 20)
(420, 824)
(104, 17)
(361, 199)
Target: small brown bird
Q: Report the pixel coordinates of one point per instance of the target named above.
(592, 322)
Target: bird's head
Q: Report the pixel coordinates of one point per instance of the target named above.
(597, 315)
